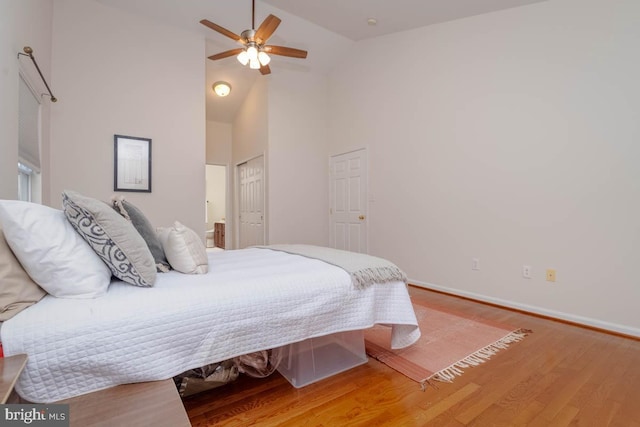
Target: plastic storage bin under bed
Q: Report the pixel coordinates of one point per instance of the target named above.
(314, 359)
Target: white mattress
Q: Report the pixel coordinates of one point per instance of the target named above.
(251, 299)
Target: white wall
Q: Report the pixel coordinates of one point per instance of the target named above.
(117, 73)
(23, 23)
(285, 118)
(511, 137)
(250, 127)
(298, 159)
(219, 142)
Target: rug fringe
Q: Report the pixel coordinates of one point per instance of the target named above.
(449, 373)
(428, 383)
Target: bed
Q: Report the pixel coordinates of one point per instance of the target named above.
(250, 299)
(96, 297)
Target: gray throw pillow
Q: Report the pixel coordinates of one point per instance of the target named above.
(132, 213)
(112, 237)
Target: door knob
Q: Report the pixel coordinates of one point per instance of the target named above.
(361, 217)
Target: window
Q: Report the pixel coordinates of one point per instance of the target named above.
(24, 182)
(29, 188)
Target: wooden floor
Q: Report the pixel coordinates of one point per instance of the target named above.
(559, 375)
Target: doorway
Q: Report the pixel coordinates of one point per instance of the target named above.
(216, 205)
(348, 198)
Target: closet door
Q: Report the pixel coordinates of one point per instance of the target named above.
(251, 202)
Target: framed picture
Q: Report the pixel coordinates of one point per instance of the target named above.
(132, 164)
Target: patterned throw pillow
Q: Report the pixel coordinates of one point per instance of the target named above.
(112, 237)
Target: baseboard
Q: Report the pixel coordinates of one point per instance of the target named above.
(558, 315)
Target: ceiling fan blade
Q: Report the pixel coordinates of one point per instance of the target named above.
(286, 51)
(267, 28)
(226, 54)
(264, 69)
(221, 30)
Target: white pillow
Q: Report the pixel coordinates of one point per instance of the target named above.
(51, 252)
(184, 249)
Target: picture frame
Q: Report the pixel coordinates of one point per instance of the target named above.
(132, 164)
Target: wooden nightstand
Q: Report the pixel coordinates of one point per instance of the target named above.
(154, 403)
(10, 368)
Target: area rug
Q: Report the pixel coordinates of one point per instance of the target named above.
(450, 343)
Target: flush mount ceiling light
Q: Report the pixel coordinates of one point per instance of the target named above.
(222, 88)
(255, 51)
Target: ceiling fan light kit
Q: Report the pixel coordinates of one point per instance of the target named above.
(263, 58)
(243, 57)
(255, 51)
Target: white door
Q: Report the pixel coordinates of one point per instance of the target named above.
(251, 203)
(348, 192)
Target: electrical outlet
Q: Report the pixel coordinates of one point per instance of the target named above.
(551, 275)
(526, 271)
(475, 263)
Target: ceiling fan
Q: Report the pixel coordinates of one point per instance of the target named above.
(255, 51)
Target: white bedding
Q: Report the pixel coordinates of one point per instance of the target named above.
(251, 299)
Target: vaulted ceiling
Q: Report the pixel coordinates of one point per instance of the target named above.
(327, 29)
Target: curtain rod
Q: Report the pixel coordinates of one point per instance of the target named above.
(29, 52)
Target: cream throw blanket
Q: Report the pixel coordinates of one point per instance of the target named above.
(364, 269)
